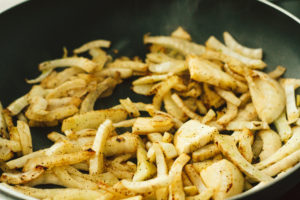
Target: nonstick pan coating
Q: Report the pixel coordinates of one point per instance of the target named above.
(37, 30)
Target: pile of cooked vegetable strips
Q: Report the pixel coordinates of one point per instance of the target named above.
(206, 134)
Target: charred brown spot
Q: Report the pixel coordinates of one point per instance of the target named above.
(120, 139)
(90, 150)
(255, 76)
(256, 124)
(229, 187)
(40, 167)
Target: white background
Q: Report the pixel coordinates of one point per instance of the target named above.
(5, 4)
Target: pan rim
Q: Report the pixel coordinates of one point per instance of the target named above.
(15, 194)
(280, 9)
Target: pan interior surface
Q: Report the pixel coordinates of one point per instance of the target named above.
(37, 31)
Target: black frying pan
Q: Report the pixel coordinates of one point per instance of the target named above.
(37, 30)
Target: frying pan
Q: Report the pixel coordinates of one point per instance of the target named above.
(36, 31)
